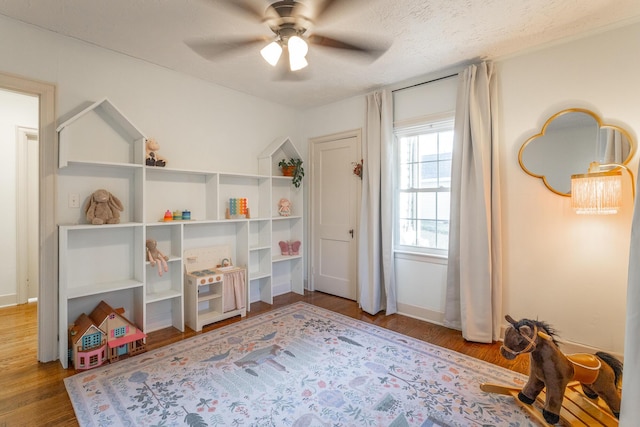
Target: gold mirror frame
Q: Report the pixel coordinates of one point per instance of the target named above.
(543, 132)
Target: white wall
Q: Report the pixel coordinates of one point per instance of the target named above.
(567, 269)
(198, 125)
(15, 110)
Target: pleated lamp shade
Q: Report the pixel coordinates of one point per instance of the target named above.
(597, 193)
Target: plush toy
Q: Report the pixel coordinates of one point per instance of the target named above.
(154, 256)
(103, 208)
(152, 158)
(284, 207)
(599, 374)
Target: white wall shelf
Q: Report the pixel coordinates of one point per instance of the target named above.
(109, 261)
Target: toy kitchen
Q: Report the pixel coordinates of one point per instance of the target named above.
(215, 289)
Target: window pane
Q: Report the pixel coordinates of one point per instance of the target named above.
(444, 205)
(407, 205)
(428, 146)
(444, 173)
(443, 235)
(428, 175)
(427, 237)
(426, 206)
(407, 232)
(446, 142)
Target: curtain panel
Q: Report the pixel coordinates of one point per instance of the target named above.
(376, 276)
(474, 274)
(630, 410)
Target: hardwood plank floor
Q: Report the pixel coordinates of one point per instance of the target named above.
(33, 393)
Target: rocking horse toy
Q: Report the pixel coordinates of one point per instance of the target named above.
(599, 374)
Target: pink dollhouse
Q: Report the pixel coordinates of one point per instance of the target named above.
(103, 335)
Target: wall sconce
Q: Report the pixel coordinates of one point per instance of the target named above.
(599, 192)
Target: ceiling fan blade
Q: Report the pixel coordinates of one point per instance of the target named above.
(370, 49)
(325, 8)
(260, 13)
(214, 49)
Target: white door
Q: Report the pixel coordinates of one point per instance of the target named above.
(335, 204)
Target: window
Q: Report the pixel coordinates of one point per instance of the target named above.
(424, 186)
(91, 340)
(93, 360)
(120, 331)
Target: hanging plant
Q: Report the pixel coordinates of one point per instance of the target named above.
(357, 168)
(293, 168)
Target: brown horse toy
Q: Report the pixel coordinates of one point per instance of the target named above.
(599, 374)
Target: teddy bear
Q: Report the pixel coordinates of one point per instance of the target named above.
(154, 256)
(152, 158)
(103, 208)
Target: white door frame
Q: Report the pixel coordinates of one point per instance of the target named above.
(48, 239)
(24, 265)
(355, 133)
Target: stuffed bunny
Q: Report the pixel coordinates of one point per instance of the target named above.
(155, 256)
(103, 208)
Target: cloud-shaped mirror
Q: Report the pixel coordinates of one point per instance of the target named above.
(568, 142)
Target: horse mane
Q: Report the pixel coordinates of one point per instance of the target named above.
(615, 364)
(544, 326)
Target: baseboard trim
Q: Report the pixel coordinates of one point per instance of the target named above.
(9, 299)
(421, 313)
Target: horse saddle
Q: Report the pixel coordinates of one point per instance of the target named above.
(585, 367)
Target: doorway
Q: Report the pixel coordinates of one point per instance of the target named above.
(19, 166)
(47, 237)
(335, 208)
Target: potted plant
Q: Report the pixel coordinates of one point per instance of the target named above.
(292, 167)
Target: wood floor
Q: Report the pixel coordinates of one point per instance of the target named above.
(33, 393)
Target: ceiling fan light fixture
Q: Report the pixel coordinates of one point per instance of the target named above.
(298, 49)
(271, 53)
(297, 63)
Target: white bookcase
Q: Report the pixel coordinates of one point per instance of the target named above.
(101, 148)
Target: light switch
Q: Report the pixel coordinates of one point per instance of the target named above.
(74, 200)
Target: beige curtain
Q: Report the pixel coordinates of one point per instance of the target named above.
(474, 283)
(630, 410)
(234, 294)
(614, 146)
(376, 276)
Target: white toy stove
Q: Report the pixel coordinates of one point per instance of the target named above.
(203, 277)
(212, 293)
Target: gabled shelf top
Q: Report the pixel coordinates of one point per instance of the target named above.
(107, 110)
(283, 148)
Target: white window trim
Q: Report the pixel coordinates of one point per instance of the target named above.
(412, 127)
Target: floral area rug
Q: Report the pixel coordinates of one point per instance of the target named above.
(296, 366)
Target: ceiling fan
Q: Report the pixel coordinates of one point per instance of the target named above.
(291, 22)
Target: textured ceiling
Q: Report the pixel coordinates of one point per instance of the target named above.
(425, 36)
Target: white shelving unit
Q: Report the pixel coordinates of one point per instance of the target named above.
(287, 272)
(108, 262)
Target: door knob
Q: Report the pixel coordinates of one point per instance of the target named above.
(351, 232)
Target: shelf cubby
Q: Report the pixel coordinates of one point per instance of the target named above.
(175, 189)
(167, 286)
(168, 237)
(252, 187)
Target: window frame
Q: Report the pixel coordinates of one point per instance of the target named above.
(424, 125)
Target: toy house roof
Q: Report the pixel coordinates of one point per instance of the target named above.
(80, 327)
(102, 312)
(109, 113)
